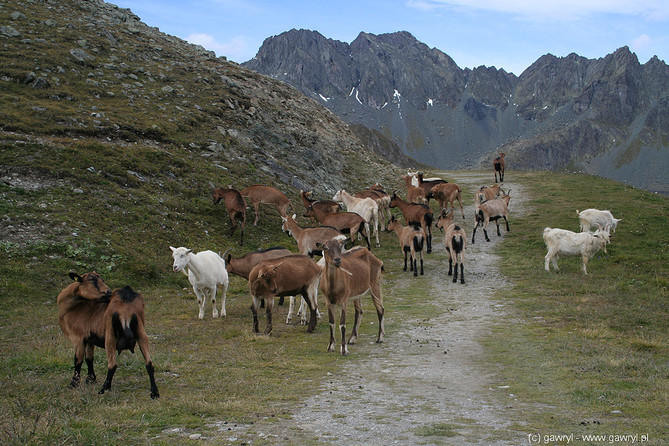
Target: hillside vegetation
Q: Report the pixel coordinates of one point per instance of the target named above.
(93, 180)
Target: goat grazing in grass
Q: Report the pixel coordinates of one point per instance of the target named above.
(448, 193)
(416, 214)
(346, 222)
(412, 242)
(367, 208)
(499, 165)
(235, 205)
(593, 218)
(568, 243)
(347, 276)
(259, 194)
(286, 276)
(454, 242)
(328, 206)
(90, 315)
(491, 210)
(206, 270)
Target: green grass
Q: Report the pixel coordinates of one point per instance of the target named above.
(591, 349)
(595, 348)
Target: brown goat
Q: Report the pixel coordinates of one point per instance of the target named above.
(448, 193)
(411, 240)
(242, 266)
(308, 238)
(285, 276)
(499, 165)
(259, 194)
(454, 242)
(416, 214)
(427, 185)
(235, 205)
(347, 222)
(91, 316)
(347, 276)
(324, 205)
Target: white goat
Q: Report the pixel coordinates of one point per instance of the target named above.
(206, 270)
(593, 218)
(568, 243)
(367, 208)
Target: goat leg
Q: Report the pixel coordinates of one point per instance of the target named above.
(154, 388)
(107, 384)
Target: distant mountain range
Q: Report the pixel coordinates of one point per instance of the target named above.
(606, 116)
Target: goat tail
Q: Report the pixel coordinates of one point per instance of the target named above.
(429, 217)
(479, 216)
(418, 242)
(124, 332)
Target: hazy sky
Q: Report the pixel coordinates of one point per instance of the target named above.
(509, 34)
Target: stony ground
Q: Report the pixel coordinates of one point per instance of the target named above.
(429, 382)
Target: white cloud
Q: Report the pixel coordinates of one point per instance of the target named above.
(232, 49)
(641, 43)
(554, 9)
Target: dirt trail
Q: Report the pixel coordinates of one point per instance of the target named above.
(428, 382)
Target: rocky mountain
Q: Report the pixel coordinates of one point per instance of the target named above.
(604, 116)
(78, 69)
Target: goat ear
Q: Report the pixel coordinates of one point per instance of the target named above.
(189, 251)
(173, 248)
(76, 277)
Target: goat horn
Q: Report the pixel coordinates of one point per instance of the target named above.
(225, 253)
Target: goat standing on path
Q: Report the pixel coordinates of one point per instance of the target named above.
(491, 210)
(454, 242)
(347, 276)
(416, 214)
(412, 242)
(206, 270)
(499, 165)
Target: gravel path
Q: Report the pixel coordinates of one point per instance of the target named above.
(429, 382)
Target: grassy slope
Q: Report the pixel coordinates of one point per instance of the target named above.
(594, 349)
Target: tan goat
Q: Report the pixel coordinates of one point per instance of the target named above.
(347, 276)
(491, 210)
(448, 193)
(454, 242)
(259, 194)
(412, 242)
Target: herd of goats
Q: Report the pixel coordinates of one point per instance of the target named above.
(91, 314)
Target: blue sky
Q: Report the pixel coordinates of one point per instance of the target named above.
(509, 34)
